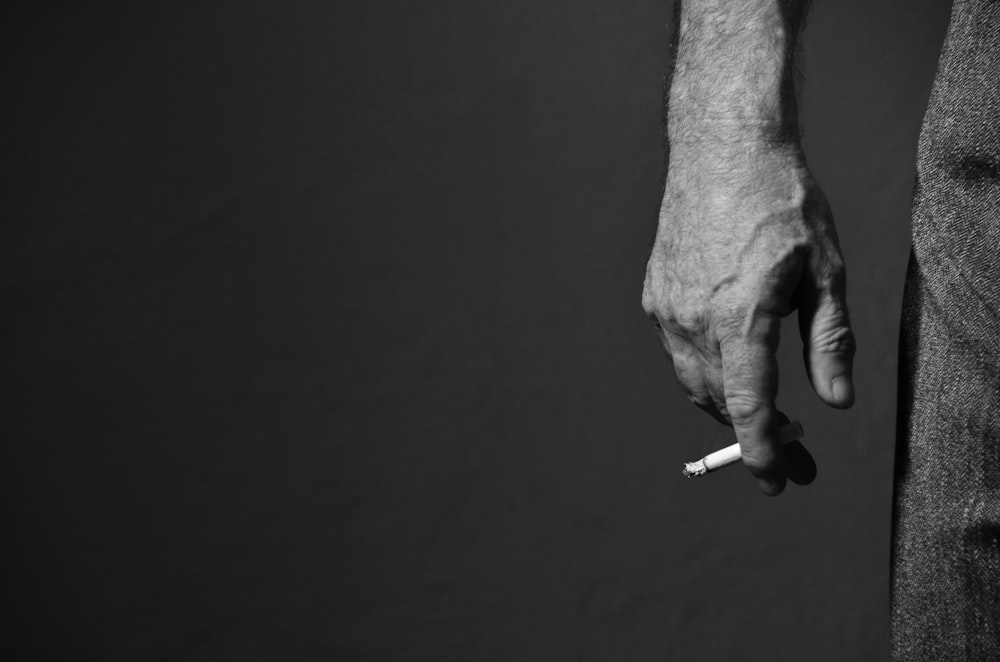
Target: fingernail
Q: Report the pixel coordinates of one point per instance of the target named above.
(843, 390)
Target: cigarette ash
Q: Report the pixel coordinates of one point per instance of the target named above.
(695, 469)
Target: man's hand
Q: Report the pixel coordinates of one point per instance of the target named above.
(745, 237)
(745, 234)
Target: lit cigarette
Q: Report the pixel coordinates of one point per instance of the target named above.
(720, 458)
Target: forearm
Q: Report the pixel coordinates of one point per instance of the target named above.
(734, 70)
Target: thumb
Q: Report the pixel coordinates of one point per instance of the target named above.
(828, 346)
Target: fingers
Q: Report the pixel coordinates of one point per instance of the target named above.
(828, 344)
(750, 381)
(737, 385)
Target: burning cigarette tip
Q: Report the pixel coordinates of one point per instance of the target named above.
(694, 469)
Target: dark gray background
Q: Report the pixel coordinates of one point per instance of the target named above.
(321, 340)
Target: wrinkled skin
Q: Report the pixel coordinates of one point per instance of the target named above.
(746, 237)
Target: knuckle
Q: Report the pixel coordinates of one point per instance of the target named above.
(657, 314)
(678, 308)
(648, 299)
(728, 325)
(720, 406)
(648, 305)
(744, 408)
(651, 286)
(656, 305)
(748, 326)
(838, 340)
(680, 321)
(687, 316)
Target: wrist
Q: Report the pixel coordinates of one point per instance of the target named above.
(700, 131)
(735, 163)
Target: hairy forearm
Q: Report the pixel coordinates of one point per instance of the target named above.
(734, 69)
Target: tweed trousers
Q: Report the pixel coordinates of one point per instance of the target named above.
(946, 515)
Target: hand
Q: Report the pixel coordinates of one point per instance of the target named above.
(745, 237)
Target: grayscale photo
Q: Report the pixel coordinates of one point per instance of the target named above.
(526, 331)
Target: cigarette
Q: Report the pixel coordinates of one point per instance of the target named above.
(730, 454)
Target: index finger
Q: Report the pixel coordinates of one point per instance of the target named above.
(750, 383)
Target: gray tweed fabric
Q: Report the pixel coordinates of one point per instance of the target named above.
(946, 519)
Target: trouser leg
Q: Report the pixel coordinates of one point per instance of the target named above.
(946, 519)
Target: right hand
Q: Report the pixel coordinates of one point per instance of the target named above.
(745, 237)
